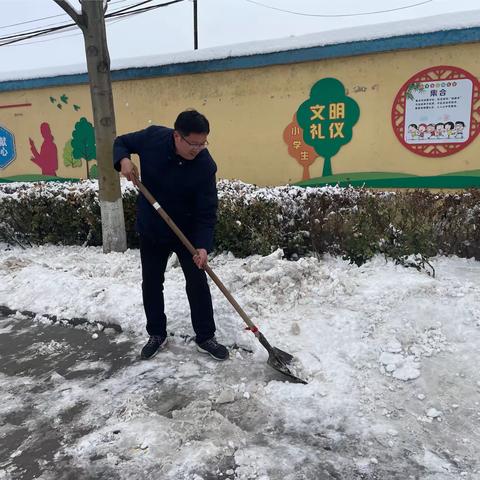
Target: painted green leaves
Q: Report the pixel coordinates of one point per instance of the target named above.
(68, 159)
(83, 140)
(63, 101)
(327, 119)
(80, 147)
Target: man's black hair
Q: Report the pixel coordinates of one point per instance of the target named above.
(191, 121)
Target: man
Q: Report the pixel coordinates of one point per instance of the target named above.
(180, 173)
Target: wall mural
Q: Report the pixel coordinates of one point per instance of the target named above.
(79, 148)
(46, 158)
(16, 106)
(435, 114)
(7, 147)
(437, 111)
(63, 101)
(83, 146)
(325, 124)
(304, 154)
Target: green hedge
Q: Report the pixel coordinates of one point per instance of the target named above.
(355, 223)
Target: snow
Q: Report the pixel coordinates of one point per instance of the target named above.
(390, 354)
(59, 190)
(386, 29)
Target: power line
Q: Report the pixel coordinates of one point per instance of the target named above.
(48, 18)
(125, 12)
(67, 25)
(75, 34)
(339, 15)
(25, 34)
(33, 21)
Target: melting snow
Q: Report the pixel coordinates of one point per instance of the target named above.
(391, 355)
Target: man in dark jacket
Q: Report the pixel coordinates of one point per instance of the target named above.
(180, 173)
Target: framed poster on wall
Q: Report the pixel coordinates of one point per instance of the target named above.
(437, 111)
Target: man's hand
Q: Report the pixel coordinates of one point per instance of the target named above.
(128, 169)
(201, 258)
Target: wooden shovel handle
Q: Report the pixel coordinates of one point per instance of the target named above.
(193, 251)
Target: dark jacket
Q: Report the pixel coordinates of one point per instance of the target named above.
(186, 189)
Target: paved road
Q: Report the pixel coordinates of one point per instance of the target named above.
(29, 439)
(58, 385)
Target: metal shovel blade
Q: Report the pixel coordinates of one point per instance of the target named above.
(281, 361)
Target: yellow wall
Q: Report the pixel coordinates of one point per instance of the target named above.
(248, 111)
(24, 123)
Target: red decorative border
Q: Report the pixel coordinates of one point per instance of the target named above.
(434, 74)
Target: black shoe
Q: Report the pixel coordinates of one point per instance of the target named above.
(213, 348)
(153, 346)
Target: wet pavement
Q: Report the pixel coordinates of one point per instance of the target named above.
(42, 368)
(41, 364)
(83, 391)
(45, 353)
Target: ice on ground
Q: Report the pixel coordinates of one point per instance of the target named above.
(407, 371)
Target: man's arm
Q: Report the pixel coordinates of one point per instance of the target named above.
(124, 146)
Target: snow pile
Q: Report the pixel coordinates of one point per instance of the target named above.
(406, 366)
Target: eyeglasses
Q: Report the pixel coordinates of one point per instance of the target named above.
(198, 146)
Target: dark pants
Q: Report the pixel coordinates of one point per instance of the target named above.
(154, 258)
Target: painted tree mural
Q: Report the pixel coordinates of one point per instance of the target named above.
(83, 143)
(304, 154)
(68, 159)
(327, 119)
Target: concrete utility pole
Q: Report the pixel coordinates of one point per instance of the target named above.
(195, 25)
(91, 20)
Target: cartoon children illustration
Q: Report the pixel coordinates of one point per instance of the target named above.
(413, 131)
(440, 130)
(430, 132)
(450, 129)
(459, 127)
(47, 158)
(421, 130)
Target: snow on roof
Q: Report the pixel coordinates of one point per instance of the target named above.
(436, 23)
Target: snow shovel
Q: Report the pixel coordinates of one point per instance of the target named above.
(277, 359)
